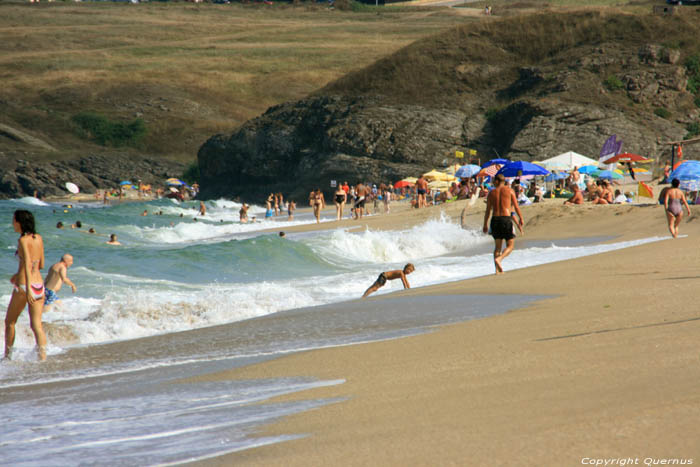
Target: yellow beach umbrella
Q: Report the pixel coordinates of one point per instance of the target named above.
(440, 176)
(411, 180)
(438, 185)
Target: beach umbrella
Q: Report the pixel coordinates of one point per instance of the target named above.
(625, 157)
(498, 161)
(587, 169)
(174, 182)
(607, 174)
(515, 168)
(555, 176)
(438, 185)
(72, 187)
(402, 184)
(688, 170)
(489, 171)
(126, 182)
(467, 171)
(435, 175)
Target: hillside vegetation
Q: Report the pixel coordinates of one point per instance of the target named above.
(185, 71)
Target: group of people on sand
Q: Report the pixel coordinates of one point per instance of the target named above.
(29, 288)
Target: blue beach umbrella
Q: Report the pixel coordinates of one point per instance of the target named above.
(688, 170)
(515, 168)
(494, 161)
(587, 169)
(125, 183)
(554, 177)
(607, 175)
(467, 171)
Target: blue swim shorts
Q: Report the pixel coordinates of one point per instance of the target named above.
(51, 297)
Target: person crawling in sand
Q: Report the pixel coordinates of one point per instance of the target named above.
(390, 276)
(54, 280)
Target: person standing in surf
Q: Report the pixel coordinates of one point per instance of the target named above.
(501, 201)
(27, 282)
(58, 274)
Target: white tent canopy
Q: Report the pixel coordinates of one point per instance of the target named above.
(568, 161)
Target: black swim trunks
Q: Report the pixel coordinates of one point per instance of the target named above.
(381, 280)
(502, 227)
(421, 191)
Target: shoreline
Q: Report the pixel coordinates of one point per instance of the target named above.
(578, 374)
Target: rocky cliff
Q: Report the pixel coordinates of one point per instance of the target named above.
(525, 88)
(23, 178)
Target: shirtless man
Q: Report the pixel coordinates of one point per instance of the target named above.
(674, 200)
(55, 279)
(202, 209)
(359, 205)
(577, 197)
(390, 276)
(421, 190)
(501, 200)
(243, 213)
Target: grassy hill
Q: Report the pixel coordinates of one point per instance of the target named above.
(185, 71)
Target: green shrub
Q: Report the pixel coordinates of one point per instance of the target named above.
(693, 130)
(613, 83)
(697, 101)
(662, 112)
(492, 113)
(694, 84)
(110, 133)
(191, 174)
(692, 63)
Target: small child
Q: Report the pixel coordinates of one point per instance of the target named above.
(390, 276)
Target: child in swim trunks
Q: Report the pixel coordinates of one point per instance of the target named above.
(390, 276)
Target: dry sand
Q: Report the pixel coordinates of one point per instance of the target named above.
(607, 368)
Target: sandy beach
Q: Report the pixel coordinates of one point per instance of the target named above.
(605, 368)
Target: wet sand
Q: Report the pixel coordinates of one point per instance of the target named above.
(608, 368)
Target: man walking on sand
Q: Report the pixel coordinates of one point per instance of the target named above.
(55, 279)
(500, 201)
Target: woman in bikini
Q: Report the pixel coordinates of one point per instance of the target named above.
(339, 198)
(28, 283)
(673, 202)
(319, 203)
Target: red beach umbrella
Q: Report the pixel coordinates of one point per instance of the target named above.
(625, 157)
(402, 183)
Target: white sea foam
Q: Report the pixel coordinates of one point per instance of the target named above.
(31, 201)
(433, 238)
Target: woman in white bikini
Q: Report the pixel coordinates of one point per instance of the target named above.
(28, 283)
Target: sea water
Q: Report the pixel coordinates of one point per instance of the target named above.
(182, 298)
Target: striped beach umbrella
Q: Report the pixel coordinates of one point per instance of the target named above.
(489, 171)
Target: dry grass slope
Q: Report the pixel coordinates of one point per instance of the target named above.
(189, 71)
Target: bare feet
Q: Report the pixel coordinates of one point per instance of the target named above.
(497, 263)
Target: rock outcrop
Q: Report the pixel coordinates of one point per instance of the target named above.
(22, 178)
(503, 89)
